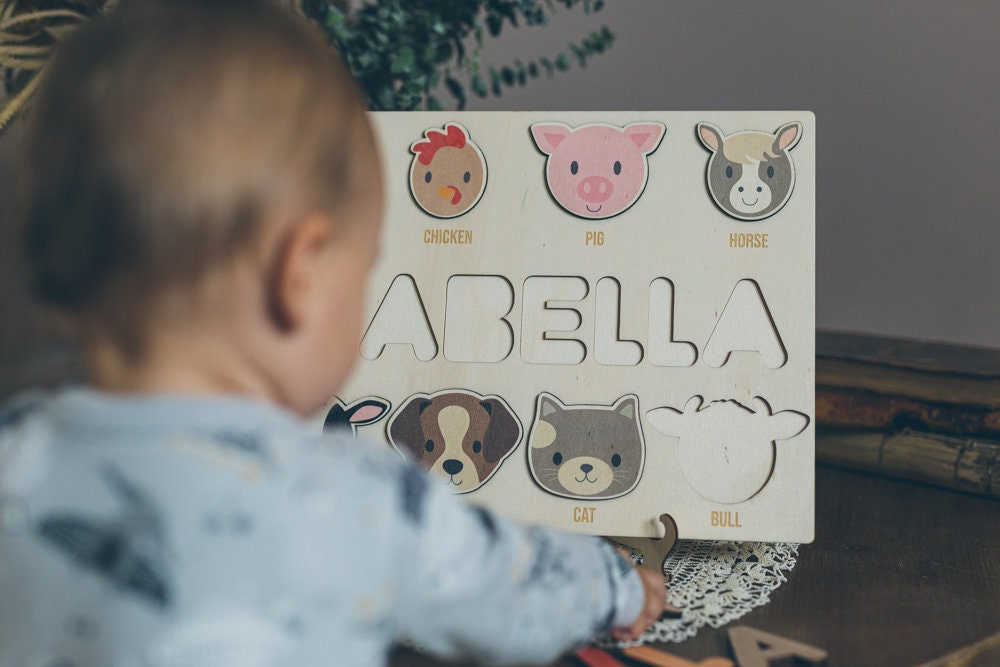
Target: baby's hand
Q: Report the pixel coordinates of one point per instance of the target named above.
(655, 604)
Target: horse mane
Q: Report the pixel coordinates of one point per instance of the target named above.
(749, 147)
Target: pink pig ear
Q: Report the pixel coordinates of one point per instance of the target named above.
(548, 136)
(645, 136)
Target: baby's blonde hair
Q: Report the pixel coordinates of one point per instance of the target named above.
(166, 136)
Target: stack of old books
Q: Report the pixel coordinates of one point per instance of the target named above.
(927, 412)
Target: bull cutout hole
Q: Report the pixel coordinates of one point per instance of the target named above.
(746, 325)
(547, 316)
(727, 451)
(475, 324)
(461, 437)
(401, 319)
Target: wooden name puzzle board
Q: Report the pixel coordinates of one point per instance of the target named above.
(590, 319)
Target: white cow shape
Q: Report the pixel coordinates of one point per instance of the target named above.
(726, 450)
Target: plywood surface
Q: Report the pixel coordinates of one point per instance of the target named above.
(644, 345)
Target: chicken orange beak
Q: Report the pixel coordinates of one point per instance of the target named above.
(450, 192)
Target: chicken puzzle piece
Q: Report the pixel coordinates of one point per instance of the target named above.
(598, 170)
(448, 172)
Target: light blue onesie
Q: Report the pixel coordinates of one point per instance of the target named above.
(176, 531)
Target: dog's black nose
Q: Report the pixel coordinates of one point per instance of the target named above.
(452, 466)
(586, 468)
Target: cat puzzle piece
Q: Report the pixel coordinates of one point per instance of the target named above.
(597, 170)
(658, 658)
(448, 172)
(756, 648)
(726, 450)
(590, 452)
(457, 434)
(750, 174)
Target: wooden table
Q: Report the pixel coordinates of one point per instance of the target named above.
(899, 574)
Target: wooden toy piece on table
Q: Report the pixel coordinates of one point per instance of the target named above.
(756, 648)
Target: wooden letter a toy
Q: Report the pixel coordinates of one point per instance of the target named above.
(755, 648)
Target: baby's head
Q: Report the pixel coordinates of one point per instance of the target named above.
(205, 163)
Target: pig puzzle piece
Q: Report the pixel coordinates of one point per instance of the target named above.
(597, 170)
(756, 648)
(750, 174)
(363, 412)
(726, 450)
(448, 172)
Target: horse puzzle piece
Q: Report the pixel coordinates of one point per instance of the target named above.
(597, 170)
(750, 174)
(448, 172)
(726, 450)
(756, 648)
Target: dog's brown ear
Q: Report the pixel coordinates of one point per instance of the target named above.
(405, 431)
(503, 432)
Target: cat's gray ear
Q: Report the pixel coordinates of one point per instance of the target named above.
(627, 406)
(548, 404)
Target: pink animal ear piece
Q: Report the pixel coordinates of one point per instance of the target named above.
(787, 136)
(362, 412)
(710, 136)
(548, 136)
(597, 170)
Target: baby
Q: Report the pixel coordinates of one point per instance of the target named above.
(203, 201)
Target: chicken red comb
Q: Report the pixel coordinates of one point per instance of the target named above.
(453, 136)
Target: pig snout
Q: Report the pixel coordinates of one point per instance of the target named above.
(595, 189)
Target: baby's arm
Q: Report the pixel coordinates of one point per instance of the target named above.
(479, 585)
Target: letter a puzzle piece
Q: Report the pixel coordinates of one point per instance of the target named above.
(756, 648)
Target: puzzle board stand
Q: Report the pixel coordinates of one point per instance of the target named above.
(665, 341)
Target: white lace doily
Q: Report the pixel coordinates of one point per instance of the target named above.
(717, 582)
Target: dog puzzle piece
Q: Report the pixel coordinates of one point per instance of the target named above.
(595, 657)
(658, 658)
(756, 648)
(597, 170)
(460, 436)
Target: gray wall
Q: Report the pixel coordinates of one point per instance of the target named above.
(907, 100)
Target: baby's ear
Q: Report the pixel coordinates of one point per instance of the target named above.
(296, 271)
